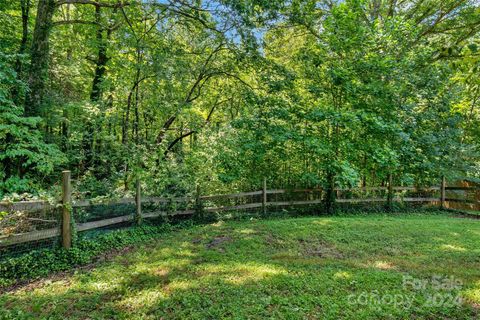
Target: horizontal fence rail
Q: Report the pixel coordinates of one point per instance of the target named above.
(26, 205)
(44, 205)
(19, 238)
(29, 237)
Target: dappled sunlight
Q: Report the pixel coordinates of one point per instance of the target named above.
(218, 224)
(323, 222)
(172, 250)
(450, 247)
(185, 249)
(383, 265)
(342, 275)
(141, 300)
(161, 266)
(165, 251)
(46, 289)
(180, 285)
(472, 295)
(195, 271)
(161, 272)
(239, 159)
(294, 258)
(234, 274)
(243, 274)
(246, 231)
(107, 285)
(239, 273)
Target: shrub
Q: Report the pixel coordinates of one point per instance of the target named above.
(41, 263)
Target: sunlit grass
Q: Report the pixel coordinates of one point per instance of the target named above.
(284, 269)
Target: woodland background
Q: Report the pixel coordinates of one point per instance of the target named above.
(221, 93)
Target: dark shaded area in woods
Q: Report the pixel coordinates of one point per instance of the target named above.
(223, 93)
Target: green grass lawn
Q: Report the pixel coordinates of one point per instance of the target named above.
(356, 267)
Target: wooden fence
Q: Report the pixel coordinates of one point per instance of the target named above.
(65, 227)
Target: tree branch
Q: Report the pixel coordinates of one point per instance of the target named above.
(207, 121)
(119, 4)
(64, 22)
(178, 139)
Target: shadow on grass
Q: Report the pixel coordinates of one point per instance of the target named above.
(292, 269)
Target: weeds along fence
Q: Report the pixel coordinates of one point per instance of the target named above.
(29, 225)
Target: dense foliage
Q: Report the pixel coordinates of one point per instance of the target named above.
(41, 263)
(223, 92)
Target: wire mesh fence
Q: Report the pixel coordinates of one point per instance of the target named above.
(98, 212)
(38, 223)
(27, 226)
(464, 197)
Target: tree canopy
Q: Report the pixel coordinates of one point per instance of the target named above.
(222, 93)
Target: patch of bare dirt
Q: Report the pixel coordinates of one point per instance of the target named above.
(218, 242)
(197, 240)
(319, 248)
(274, 241)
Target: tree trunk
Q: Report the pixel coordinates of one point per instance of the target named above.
(96, 93)
(330, 193)
(137, 118)
(102, 58)
(25, 5)
(38, 72)
(65, 130)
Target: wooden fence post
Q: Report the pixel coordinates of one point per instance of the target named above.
(66, 210)
(138, 202)
(264, 196)
(390, 192)
(442, 193)
(198, 201)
